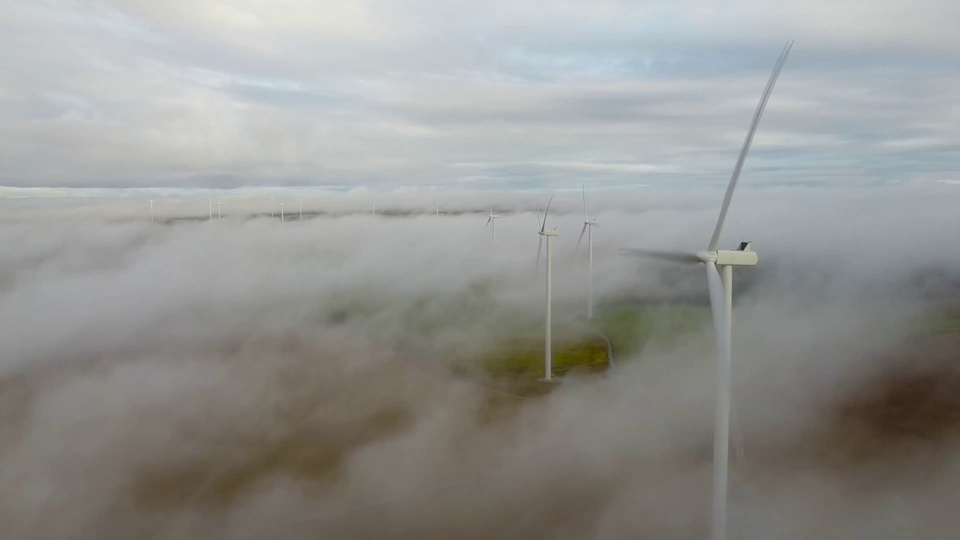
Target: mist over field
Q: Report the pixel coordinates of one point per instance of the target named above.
(246, 378)
(178, 361)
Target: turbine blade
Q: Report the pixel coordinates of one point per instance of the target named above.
(583, 230)
(545, 212)
(663, 255)
(536, 268)
(539, 221)
(585, 218)
(488, 223)
(746, 144)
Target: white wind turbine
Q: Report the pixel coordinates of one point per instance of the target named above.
(547, 353)
(721, 304)
(151, 210)
(281, 212)
(492, 219)
(301, 209)
(219, 215)
(210, 209)
(588, 226)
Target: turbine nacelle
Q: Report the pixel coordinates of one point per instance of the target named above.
(553, 232)
(729, 257)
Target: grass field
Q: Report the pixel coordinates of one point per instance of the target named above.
(943, 321)
(631, 327)
(516, 361)
(581, 347)
(587, 354)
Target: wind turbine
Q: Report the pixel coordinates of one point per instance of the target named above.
(438, 209)
(492, 218)
(281, 212)
(219, 216)
(588, 226)
(720, 284)
(151, 210)
(210, 209)
(273, 212)
(547, 353)
(301, 209)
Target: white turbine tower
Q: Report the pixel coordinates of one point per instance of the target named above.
(210, 209)
(588, 226)
(273, 212)
(219, 215)
(438, 209)
(301, 209)
(281, 212)
(721, 304)
(492, 219)
(547, 353)
(151, 210)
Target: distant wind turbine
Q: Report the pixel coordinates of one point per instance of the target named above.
(273, 212)
(720, 285)
(438, 209)
(301, 209)
(492, 219)
(281, 212)
(548, 353)
(588, 226)
(210, 209)
(151, 210)
(219, 216)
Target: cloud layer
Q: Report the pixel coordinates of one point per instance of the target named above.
(519, 94)
(243, 378)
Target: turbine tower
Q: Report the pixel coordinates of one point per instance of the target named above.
(492, 219)
(301, 209)
(547, 353)
(219, 216)
(151, 210)
(588, 226)
(438, 209)
(210, 209)
(720, 285)
(281, 212)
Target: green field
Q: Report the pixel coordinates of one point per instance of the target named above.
(587, 354)
(631, 327)
(581, 347)
(942, 321)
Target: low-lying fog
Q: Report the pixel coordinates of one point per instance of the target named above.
(244, 378)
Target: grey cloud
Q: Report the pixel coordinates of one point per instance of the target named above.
(397, 93)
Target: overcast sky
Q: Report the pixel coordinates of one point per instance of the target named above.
(496, 94)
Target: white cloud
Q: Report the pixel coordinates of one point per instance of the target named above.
(148, 373)
(237, 93)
